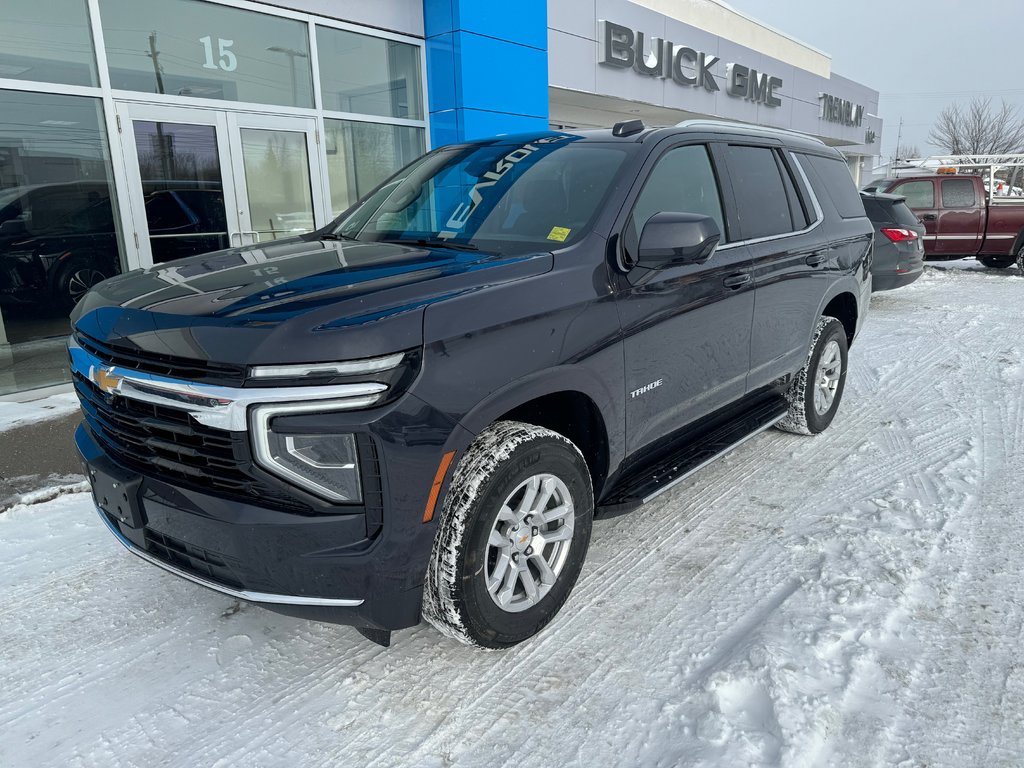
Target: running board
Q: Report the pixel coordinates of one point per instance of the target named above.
(694, 455)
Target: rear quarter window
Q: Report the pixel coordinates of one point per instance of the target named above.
(835, 177)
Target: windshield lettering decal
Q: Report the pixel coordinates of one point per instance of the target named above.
(457, 221)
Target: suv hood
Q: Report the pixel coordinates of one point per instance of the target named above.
(295, 300)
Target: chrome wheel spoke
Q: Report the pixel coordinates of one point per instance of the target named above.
(507, 515)
(529, 585)
(496, 577)
(547, 576)
(561, 533)
(508, 587)
(496, 539)
(552, 515)
(532, 488)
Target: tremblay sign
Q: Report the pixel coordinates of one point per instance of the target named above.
(842, 111)
(626, 49)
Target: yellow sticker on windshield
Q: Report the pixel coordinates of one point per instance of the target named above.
(559, 234)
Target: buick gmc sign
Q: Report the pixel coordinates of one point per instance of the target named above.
(626, 48)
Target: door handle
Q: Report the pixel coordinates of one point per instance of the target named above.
(930, 217)
(735, 281)
(815, 260)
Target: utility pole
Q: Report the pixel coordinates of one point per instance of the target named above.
(163, 149)
(899, 141)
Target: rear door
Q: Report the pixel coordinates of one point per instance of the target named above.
(686, 328)
(961, 224)
(922, 200)
(789, 254)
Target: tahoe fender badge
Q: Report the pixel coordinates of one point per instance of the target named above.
(646, 388)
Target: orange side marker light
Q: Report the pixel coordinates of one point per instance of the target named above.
(435, 489)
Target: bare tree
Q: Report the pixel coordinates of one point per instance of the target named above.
(907, 151)
(979, 129)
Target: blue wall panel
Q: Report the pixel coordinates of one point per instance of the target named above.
(487, 68)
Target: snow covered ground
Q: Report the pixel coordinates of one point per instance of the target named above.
(19, 414)
(855, 599)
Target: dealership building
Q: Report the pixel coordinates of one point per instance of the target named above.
(136, 132)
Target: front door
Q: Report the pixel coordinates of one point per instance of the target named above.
(205, 179)
(686, 328)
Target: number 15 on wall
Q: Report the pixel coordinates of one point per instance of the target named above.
(228, 61)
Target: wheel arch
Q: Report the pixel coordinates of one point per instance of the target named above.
(843, 306)
(565, 401)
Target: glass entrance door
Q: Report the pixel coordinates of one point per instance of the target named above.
(205, 179)
(279, 188)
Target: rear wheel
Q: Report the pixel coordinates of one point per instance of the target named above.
(512, 538)
(998, 262)
(817, 389)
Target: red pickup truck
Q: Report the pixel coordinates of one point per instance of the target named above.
(961, 219)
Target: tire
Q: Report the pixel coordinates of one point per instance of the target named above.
(74, 280)
(998, 262)
(476, 534)
(806, 416)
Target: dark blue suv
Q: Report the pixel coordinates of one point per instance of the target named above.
(418, 410)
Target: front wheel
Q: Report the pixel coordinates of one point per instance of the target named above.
(998, 262)
(817, 389)
(513, 535)
(74, 281)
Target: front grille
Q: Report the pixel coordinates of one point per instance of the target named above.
(192, 559)
(148, 437)
(224, 374)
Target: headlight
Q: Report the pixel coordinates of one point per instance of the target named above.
(324, 464)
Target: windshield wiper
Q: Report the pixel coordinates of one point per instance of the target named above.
(431, 243)
(335, 236)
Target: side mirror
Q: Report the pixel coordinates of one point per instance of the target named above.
(13, 227)
(672, 239)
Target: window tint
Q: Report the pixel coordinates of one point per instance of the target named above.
(958, 193)
(796, 206)
(682, 182)
(919, 194)
(874, 210)
(838, 183)
(903, 216)
(761, 200)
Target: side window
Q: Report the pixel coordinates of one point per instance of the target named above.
(797, 208)
(958, 193)
(761, 199)
(682, 181)
(838, 182)
(919, 194)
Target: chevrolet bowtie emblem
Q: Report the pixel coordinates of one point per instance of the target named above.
(106, 381)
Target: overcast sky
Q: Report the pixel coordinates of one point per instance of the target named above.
(920, 55)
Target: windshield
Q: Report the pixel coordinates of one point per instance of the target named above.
(502, 197)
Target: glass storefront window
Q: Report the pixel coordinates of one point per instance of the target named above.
(369, 75)
(207, 51)
(47, 42)
(58, 235)
(361, 155)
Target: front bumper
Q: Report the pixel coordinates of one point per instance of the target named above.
(323, 566)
